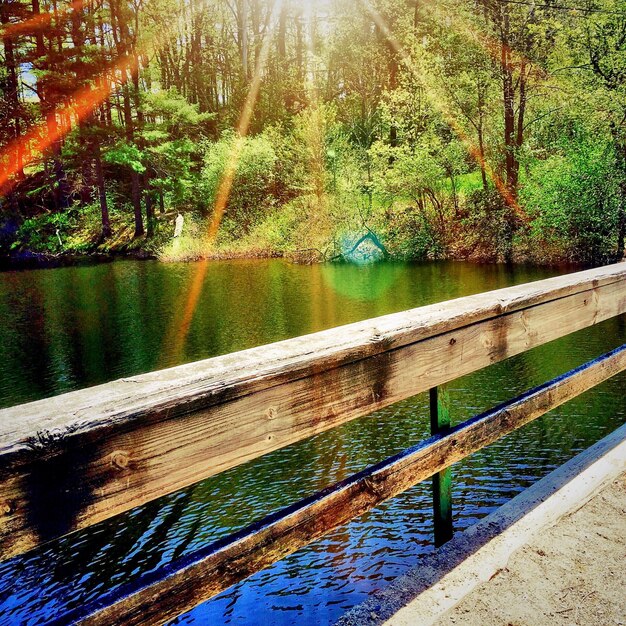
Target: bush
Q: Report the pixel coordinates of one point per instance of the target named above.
(412, 235)
(486, 233)
(39, 234)
(573, 199)
(252, 161)
(413, 173)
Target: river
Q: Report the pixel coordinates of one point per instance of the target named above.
(68, 328)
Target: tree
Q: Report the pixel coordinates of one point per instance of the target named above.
(605, 43)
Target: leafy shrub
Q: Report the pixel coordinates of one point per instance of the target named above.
(39, 234)
(487, 231)
(412, 235)
(126, 154)
(574, 200)
(250, 161)
(413, 173)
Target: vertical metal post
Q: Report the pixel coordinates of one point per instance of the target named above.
(442, 481)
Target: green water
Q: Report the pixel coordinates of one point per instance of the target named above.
(68, 328)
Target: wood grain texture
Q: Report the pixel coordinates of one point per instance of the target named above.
(77, 459)
(158, 597)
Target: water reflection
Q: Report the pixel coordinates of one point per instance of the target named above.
(75, 327)
(59, 335)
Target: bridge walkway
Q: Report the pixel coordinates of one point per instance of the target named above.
(572, 573)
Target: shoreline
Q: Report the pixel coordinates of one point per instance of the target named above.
(41, 260)
(38, 261)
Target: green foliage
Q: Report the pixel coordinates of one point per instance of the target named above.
(412, 234)
(408, 172)
(39, 233)
(79, 230)
(171, 163)
(128, 155)
(405, 130)
(487, 230)
(190, 246)
(574, 199)
(465, 183)
(277, 232)
(250, 164)
(174, 112)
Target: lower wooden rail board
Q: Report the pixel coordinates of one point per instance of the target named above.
(162, 595)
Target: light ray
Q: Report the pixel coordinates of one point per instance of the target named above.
(443, 108)
(492, 46)
(40, 137)
(179, 328)
(243, 126)
(77, 107)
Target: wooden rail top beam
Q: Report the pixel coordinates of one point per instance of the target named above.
(73, 460)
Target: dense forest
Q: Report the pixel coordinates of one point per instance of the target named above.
(492, 130)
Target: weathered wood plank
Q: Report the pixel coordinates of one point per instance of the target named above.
(77, 459)
(160, 596)
(215, 380)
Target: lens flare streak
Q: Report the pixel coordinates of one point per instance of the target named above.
(38, 22)
(425, 80)
(39, 138)
(179, 329)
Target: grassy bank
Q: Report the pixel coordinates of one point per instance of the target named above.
(462, 221)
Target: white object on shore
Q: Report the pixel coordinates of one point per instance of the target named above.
(178, 230)
(59, 238)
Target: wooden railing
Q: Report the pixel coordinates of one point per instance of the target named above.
(73, 460)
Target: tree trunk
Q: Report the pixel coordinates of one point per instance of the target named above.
(243, 38)
(521, 111)
(123, 43)
(61, 192)
(299, 49)
(620, 144)
(134, 175)
(149, 204)
(509, 105)
(138, 188)
(102, 194)
(481, 148)
(481, 137)
(282, 33)
(13, 94)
